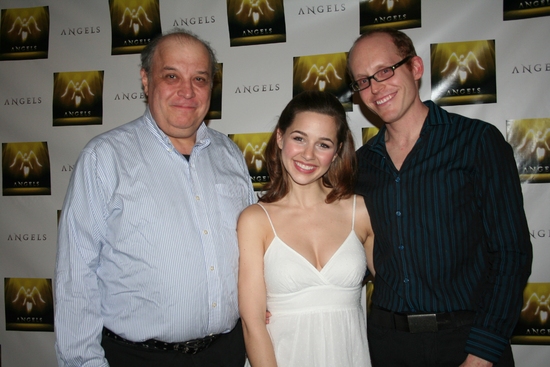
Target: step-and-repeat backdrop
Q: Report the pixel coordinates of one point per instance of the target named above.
(69, 70)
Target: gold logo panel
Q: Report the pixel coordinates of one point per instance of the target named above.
(254, 22)
(530, 139)
(463, 72)
(521, 9)
(26, 169)
(133, 24)
(24, 33)
(368, 133)
(324, 73)
(215, 110)
(533, 326)
(253, 148)
(29, 304)
(78, 98)
(399, 14)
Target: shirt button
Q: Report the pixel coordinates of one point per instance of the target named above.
(406, 280)
(397, 179)
(214, 305)
(401, 247)
(212, 268)
(205, 231)
(197, 198)
(398, 213)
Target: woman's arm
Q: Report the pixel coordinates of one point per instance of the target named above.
(251, 232)
(365, 231)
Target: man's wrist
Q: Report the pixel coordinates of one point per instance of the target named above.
(486, 345)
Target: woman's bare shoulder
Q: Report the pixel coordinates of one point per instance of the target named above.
(255, 216)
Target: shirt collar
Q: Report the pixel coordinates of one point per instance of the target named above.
(436, 115)
(202, 137)
(433, 118)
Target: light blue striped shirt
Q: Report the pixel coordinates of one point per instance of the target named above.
(147, 242)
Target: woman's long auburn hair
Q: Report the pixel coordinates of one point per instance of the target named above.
(341, 174)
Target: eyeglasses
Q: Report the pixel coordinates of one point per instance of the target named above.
(379, 76)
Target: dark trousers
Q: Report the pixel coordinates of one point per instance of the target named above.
(444, 348)
(226, 351)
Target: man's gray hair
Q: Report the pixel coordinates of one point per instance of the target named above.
(148, 52)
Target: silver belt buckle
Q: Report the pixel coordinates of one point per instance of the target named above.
(425, 323)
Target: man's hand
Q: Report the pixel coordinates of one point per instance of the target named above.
(473, 361)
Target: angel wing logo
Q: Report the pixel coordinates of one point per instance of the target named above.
(460, 65)
(538, 306)
(322, 75)
(29, 297)
(25, 162)
(536, 142)
(24, 27)
(254, 155)
(254, 8)
(134, 18)
(77, 91)
(389, 3)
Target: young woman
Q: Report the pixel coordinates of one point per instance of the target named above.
(305, 246)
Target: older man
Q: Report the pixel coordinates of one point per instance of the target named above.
(147, 257)
(452, 250)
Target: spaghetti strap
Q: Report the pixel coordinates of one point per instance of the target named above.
(353, 217)
(269, 218)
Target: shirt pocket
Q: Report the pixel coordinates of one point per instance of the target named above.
(232, 200)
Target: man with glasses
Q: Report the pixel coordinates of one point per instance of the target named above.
(452, 250)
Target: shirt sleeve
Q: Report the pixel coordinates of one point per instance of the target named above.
(252, 197)
(78, 321)
(509, 251)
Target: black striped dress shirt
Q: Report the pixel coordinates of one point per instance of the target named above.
(450, 228)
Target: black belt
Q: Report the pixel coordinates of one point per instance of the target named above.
(420, 323)
(189, 347)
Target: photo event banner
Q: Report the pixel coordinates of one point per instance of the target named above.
(69, 70)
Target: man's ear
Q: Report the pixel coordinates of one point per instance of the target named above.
(417, 67)
(144, 81)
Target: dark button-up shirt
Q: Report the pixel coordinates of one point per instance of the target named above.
(450, 228)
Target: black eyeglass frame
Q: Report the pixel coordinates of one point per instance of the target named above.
(355, 85)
